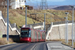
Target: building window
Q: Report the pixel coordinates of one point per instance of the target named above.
(21, 0)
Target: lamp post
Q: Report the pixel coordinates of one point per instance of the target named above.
(7, 20)
(25, 15)
(74, 26)
(72, 23)
(44, 21)
(66, 32)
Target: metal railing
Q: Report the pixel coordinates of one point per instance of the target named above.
(62, 22)
(18, 28)
(49, 27)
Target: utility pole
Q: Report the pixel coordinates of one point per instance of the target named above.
(44, 21)
(44, 4)
(25, 15)
(66, 32)
(8, 20)
(72, 24)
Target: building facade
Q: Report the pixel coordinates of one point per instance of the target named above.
(17, 4)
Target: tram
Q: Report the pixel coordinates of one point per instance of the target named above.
(32, 35)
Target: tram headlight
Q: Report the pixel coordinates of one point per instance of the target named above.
(28, 38)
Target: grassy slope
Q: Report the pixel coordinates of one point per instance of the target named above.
(69, 43)
(18, 16)
(19, 19)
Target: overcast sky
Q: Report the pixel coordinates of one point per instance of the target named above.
(51, 2)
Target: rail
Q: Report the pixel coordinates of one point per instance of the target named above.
(18, 28)
(50, 27)
(62, 22)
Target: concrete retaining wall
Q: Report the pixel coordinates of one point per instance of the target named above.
(58, 32)
(3, 29)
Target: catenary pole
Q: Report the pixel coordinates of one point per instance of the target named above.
(25, 14)
(72, 24)
(44, 21)
(26, 17)
(7, 20)
(66, 29)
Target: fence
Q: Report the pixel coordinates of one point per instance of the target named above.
(62, 22)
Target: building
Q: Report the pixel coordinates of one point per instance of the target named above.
(14, 4)
(17, 4)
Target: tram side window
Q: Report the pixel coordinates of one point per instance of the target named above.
(43, 35)
(39, 37)
(29, 33)
(32, 34)
(35, 35)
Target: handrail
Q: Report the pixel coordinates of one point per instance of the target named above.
(50, 26)
(62, 22)
(10, 24)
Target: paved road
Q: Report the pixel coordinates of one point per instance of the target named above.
(25, 46)
(36, 46)
(41, 46)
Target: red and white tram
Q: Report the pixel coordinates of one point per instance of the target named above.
(32, 35)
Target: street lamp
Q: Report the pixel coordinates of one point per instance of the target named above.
(44, 21)
(7, 20)
(25, 15)
(66, 32)
(72, 22)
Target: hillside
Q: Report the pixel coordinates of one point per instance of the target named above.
(18, 16)
(63, 8)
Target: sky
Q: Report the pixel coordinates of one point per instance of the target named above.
(51, 2)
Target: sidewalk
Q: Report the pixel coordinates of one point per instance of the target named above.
(58, 46)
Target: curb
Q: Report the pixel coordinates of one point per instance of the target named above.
(48, 47)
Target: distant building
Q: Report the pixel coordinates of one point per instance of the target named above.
(17, 4)
(29, 7)
(14, 4)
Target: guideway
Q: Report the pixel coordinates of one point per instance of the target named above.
(58, 46)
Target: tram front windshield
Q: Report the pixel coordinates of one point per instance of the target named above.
(25, 33)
